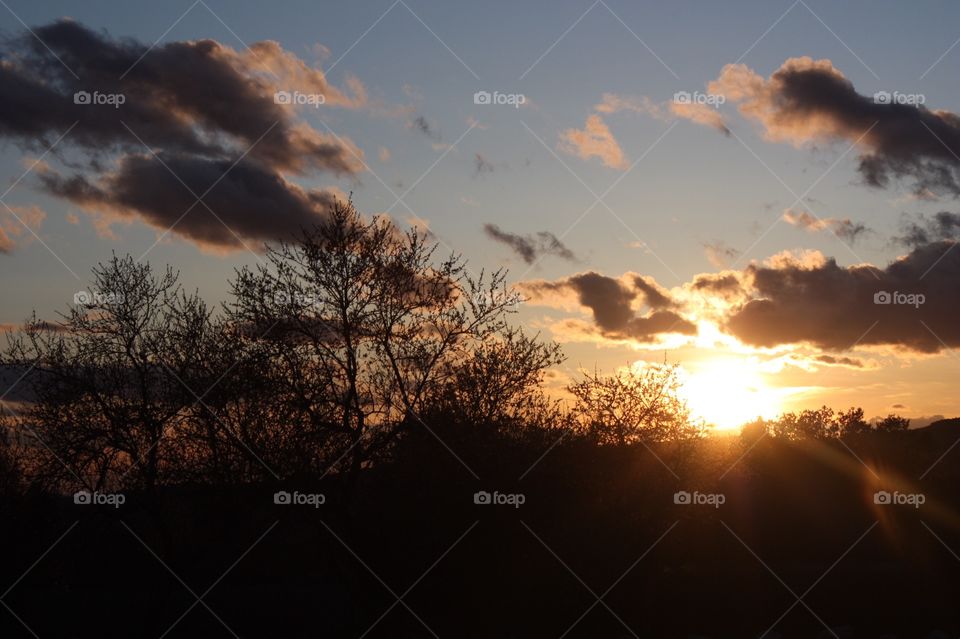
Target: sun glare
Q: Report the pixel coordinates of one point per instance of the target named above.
(730, 392)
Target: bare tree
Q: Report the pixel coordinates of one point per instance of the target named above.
(500, 384)
(108, 378)
(361, 326)
(633, 405)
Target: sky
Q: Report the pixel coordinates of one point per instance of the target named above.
(725, 186)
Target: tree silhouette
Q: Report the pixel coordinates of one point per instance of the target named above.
(360, 328)
(108, 379)
(634, 404)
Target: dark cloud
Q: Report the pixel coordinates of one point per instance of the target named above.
(254, 203)
(837, 308)
(912, 304)
(202, 106)
(832, 360)
(655, 297)
(530, 247)
(421, 125)
(924, 230)
(724, 285)
(481, 165)
(809, 101)
(196, 97)
(612, 305)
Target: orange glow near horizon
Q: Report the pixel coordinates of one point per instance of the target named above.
(730, 392)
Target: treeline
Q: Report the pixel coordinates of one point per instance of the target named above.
(324, 356)
(386, 386)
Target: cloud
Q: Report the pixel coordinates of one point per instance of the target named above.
(924, 230)
(700, 114)
(613, 103)
(612, 303)
(201, 105)
(383, 153)
(695, 112)
(841, 362)
(809, 101)
(845, 229)
(594, 140)
(719, 254)
(14, 221)
(786, 302)
(481, 165)
(530, 247)
(254, 204)
(420, 125)
(197, 97)
(837, 308)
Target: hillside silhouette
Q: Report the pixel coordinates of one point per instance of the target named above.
(359, 443)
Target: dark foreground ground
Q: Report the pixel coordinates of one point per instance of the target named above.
(599, 548)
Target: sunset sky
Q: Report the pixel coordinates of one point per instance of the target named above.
(745, 233)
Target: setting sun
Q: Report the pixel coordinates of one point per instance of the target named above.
(729, 392)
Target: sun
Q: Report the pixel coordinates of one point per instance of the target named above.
(729, 392)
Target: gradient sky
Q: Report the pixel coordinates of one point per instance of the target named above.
(681, 188)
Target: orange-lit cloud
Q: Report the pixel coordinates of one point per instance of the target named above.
(632, 307)
(594, 140)
(791, 299)
(845, 229)
(806, 101)
(220, 123)
(13, 225)
(695, 112)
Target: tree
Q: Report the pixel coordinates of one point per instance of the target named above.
(850, 422)
(892, 424)
(634, 404)
(360, 327)
(500, 383)
(109, 379)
